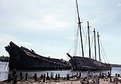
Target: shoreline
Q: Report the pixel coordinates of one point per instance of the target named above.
(18, 78)
(113, 80)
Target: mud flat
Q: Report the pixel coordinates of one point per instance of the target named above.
(18, 78)
(61, 81)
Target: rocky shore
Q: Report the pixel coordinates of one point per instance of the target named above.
(19, 78)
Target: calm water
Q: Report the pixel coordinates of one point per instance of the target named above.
(4, 72)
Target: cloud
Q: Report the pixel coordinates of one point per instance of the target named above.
(23, 43)
(6, 39)
(48, 22)
(25, 21)
(33, 15)
(71, 38)
(119, 5)
(111, 39)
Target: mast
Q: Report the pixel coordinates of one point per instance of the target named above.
(98, 46)
(79, 25)
(89, 39)
(95, 44)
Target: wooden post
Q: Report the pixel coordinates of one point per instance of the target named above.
(116, 79)
(118, 75)
(110, 76)
(102, 76)
(88, 72)
(26, 76)
(67, 76)
(110, 79)
(51, 75)
(35, 77)
(14, 73)
(48, 76)
(21, 76)
(44, 78)
(56, 77)
(77, 74)
(15, 79)
(100, 73)
(9, 77)
(80, 75)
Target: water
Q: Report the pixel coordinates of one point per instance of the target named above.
(4, 72)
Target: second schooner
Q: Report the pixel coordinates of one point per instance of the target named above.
(82, 62)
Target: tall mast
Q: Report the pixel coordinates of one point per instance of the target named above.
(89, 39)
(98, 46)
(79, 25)
(95, 44)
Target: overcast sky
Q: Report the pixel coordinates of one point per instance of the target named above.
(47, 26)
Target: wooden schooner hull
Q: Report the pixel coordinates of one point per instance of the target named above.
(84, 64)
(24, 59)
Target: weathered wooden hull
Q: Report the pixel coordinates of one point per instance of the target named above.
(84, 64)
(23, 59)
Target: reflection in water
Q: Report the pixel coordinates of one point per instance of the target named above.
(4, 72)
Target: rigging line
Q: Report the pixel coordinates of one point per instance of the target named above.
(71, 48)
(79, 52)
(76, 42)
(77, 49)
(92, 44)
(104, 51)
(73, 44)
(85, 41)
(92, 55)
(83, 32)
(103, 56)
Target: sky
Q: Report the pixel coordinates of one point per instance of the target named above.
(48, 26)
